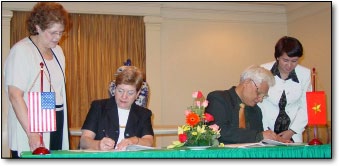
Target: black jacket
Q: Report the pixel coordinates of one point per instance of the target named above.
(103, 119)
(224, 106)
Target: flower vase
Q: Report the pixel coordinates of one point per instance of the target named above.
(199, 142)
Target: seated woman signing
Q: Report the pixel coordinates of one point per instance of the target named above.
(117, 122)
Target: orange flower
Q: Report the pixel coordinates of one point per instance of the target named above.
(195, 132)
(192, 119)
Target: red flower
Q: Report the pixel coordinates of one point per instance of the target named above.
(200, 95)
(209, 117)
(197, 95)
(183, 137)
(192, 119)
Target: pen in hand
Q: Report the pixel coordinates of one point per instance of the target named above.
(106, 143)
(105, 133)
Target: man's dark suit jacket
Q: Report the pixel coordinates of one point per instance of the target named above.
(103, 119)
(224, 106)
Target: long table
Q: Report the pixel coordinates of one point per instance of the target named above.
(318, 151)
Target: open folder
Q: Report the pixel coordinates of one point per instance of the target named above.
(138, 147)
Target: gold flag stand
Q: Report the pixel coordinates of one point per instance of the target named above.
(315, 140)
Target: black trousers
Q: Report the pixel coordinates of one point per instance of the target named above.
(56, 136)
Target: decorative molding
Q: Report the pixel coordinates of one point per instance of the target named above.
(6, 17)
(209, 11)
(6, 14)
(227, 16)
(116, 8)
(224, 11)
(17, 6)
(153, 20)
(258, 12)
(153, 23)
(298, 10)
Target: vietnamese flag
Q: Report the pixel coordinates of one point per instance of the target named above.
(316, 108)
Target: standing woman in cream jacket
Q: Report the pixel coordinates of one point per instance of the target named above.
(46, 24)
(284, 110)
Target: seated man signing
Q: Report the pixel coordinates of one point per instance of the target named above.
(117, 122)
(236, 112)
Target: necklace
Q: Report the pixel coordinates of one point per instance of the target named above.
(50, 86)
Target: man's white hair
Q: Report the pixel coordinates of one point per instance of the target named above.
(258, 75)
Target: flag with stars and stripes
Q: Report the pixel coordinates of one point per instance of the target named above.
(41, 111)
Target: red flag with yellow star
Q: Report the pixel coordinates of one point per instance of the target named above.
(316, 108)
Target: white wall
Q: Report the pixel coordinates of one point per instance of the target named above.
(312, 25)
(201, 46)
(207, 56)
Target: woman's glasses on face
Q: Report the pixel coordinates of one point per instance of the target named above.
(260, 94)
(55, 34)
(129, 92)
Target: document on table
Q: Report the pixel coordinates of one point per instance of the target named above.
(263, 143)
(128, 148)
(277, 143)
(138, 147)
(92, 151)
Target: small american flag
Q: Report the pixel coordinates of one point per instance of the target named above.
(41, 111)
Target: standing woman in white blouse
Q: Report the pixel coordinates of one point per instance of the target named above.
(284, 110)
(46, 24)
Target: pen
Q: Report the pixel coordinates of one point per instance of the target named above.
(105, 133)
(268, 128)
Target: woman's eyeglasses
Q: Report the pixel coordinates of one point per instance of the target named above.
(56, 33)
(122, 91)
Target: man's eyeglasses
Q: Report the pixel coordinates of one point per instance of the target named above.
(261, 95)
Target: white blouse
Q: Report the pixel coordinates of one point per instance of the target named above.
(123, 117)
(296, 107)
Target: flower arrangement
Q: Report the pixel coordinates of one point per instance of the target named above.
(196, 132)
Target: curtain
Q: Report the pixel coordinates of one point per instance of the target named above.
(94, 48)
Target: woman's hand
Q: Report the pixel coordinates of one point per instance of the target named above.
(269, 134)
(34, 141)
(106, 144)
(128, 141)
(287, 134)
